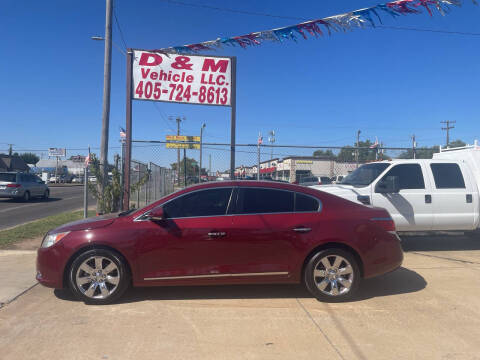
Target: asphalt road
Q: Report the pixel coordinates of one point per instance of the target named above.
(15, 212)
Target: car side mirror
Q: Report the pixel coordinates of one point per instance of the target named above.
(389, 184)
(156, 214)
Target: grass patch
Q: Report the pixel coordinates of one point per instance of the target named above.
(39, 227)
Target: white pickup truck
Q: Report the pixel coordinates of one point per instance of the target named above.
(439, 194)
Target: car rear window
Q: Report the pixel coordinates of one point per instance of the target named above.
(8, 177)
(264, 201)
(305, 203)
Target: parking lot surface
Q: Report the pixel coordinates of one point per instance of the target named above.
(428, 309)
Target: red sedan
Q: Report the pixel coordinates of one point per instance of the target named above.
(235, 232)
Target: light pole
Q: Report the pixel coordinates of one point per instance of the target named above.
(201, 142)
(107, 72)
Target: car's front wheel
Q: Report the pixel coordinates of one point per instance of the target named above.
(98, 276)
(332, 275)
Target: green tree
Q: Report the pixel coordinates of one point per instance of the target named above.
(457, 143)
(347, 153)
(324, 154)
(192, 168)
(420, 153)
(30, 158)
(109, 201)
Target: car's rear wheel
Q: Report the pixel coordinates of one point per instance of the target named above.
(332, 275)
(46, 195)
(98, 276)
(26, 196)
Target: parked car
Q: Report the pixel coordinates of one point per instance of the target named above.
(422, 195)
(314, 180)
(77, 180)
(22, 186)
(234, 232)
(337, 179)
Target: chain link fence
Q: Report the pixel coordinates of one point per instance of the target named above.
(149, 182)
(277, 162)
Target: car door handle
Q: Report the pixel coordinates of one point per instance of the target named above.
(302, 229)
(428, 199)
(217, 233)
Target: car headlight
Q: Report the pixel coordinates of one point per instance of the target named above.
(51, 239)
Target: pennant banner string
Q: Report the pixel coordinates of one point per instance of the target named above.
(342, 22)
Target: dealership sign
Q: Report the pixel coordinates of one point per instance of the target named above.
(188, 79)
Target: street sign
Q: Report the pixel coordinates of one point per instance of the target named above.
(57, 152)
(182, 146)
(182, 138)
(192, 79)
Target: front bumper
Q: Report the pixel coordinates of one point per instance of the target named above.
(50, 265)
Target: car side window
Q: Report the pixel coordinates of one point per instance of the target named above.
(410, 176)
(447, 176)
(305, 203)
(209, 202)
(264, 201)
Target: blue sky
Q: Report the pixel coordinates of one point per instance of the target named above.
(387, 83)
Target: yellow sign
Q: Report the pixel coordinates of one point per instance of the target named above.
(182, 146)
(304, 162)
(182, 138)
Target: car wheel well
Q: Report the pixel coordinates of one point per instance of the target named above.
(88, 248)
(333, 245)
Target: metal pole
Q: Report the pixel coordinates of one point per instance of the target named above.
(185, 167)
(357, 155)
(128, 133)
(178, 151)
(414, 145)
(209, 164)
(56, 171)
(85, 188)
(200, 167)
(258, 156)
(233, 104)
(107, 71)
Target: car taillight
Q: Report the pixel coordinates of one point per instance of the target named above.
(385, 222)
(14, 185)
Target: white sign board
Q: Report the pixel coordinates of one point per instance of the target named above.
(57, 152)
(189, 79)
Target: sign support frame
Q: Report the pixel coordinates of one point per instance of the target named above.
(128, 121)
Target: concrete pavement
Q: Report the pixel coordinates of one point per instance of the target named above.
(428, 309)
(17, 273)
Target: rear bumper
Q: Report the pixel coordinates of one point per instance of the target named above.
(13, 193)
(389, 256)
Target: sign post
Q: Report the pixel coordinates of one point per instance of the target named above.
(187, 79)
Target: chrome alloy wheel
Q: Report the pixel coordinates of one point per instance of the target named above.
(333, 275)
(97, 277)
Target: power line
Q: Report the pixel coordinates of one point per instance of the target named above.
(119, 29)
(252, 13)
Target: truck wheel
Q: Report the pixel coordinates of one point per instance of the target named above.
(332, 275)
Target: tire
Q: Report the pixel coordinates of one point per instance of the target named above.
(26, 196)
(334, 283)
(96, 287)
(46, 195)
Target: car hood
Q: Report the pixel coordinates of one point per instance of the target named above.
(87, 224)
(348, 192)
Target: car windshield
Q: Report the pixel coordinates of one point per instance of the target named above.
(8, 177)
(365, 174)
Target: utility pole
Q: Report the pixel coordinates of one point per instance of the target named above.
(179, 120)
(10, 150)
(107, 71)
(357, 155)
(271, 140)
(414, 147)
(201, 141)
(209, 164)
(448, 127)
